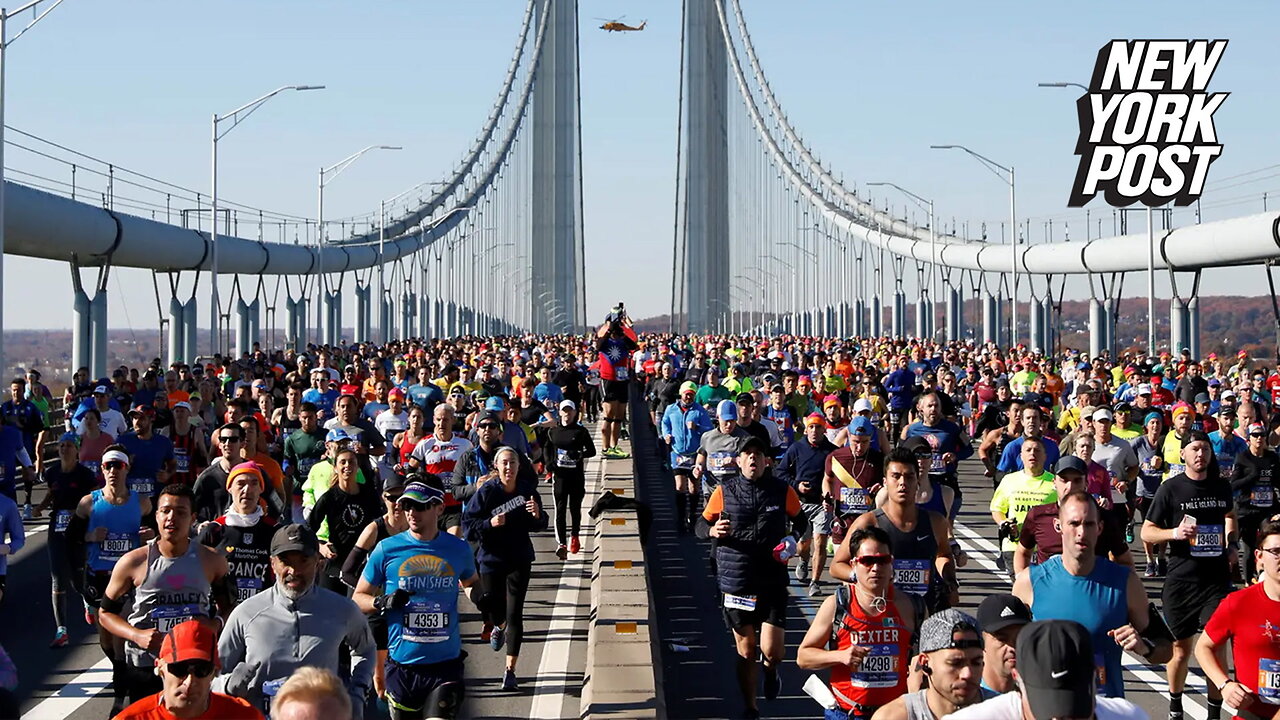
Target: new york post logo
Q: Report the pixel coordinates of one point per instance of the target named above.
(1146, 124)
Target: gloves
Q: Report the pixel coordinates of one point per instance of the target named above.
(785, 550)
(242, 679)
(394, 601)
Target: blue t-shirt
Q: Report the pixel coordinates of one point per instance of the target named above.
(322, 400)
(146, 460)
(548, 394)
(426, 629)
(1226, 446)
(1011, 458)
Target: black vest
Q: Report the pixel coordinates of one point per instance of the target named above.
(757, 515)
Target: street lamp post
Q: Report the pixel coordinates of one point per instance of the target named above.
(332, 172)
(933, 241)
(996, 168)
(235, 117)
(5, 42)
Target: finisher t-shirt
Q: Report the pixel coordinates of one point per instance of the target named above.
(1251, 621)
(1202, 560)
(426, 629)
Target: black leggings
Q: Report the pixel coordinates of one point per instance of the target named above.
(568, 493)
(502, 601)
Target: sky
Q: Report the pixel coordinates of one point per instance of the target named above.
(869, 86)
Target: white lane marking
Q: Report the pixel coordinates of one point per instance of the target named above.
(73, 695)
(1134, 664)
(553, 668)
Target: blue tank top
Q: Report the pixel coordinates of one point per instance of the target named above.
(1098, 601)
(122, 523)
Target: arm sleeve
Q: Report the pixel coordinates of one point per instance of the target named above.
(353, 565)
(474, 519)
(1243, 474)
(317, 515)
(231, 653)
(588, 445)
(715, 505)
(363, 656)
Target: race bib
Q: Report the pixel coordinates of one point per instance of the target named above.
(61, 520)
(1226, 464)
(166, 617)
(247, 588)
(1208, 541)
(1269, 681)
(182, 459)
(1262, 496)
(141, 486)
(879, 668)
(565, 459)
(854, 500)
(721, 463)
(683, 462)
(92, 465)
(115, 546)
(911, 576)
(936, 465)
(621, 373)
(1176, 469)
(740, 602)
(425, 621)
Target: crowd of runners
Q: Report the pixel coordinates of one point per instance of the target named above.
(295, 532)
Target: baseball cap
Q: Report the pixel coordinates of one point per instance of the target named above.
(100, 390)
(777, 387)
(727, 410)
(998, 612)
(1086, 412)
(1195, 436)
(488, 415)
(688, 386)
(142, 410)
(1070, 463)
(938, 631)
(1214, 382)
(861, 426)
(337, 435)
(1102, 414)
(1055, 662)
(1228, 394)
(1202, 398)
(182, 404)
(494, 404)
(190, 640)
(1258, 429)
(348, 390)
(394, 481)
(861, 405)
(751, 442)
(567, 404)
(1123, 407)
(745, 398)
(294, 538)
(1144, 389)
(422, 493)
(69, 437)
(916, 446)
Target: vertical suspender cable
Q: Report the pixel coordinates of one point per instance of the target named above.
(677, 237)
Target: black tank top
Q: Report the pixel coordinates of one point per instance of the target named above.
(914, 552)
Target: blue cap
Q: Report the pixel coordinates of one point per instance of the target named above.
(337, 435)
(422, 493)
(70, 437)
(495, 404)
(727, 410)
(861, 426)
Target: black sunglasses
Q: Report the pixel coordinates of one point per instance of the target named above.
(199, 668)
(487, 426)
(415, 506)
(228, 438)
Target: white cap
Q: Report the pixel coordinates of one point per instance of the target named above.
(182, 404)
(1144, 389)
(1227, 394)
(1102, 414)
(567, 404)
(862, 405)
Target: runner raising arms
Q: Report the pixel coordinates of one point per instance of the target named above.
(615, 341)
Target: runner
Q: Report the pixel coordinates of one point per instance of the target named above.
(1104, 597)
(310, 694)
(412, 579)
(1255, 472)
(863, 632)
(1149, 449)
(1040, 528)
(756, 520)
(1248, 619)
(500, 516)
(172, 579)
(1121, 463)
(950, 656)
(683, 424)
(344, 509)
(803, 467)
(923, 565)
(569, 445)
(242, 535)
(302, 449)
(293, 624)
(615, 342)
(185, 662)
(190, 448)
(1192, 512)
(718, 450)
(1002, 618)
(852, 477)
(210, 489)
(68, 482)
(438, 454)
(1018, 492)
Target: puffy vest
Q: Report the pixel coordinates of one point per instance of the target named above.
(757, 515)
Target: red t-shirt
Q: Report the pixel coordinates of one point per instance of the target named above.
(1273, 384)
(1251, 620)
(222, 707)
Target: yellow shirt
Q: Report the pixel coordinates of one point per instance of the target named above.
(1019, 492)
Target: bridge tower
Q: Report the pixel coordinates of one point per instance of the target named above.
(705, 225)
(558, 290)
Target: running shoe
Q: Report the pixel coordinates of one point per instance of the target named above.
(27, 512)
(562, 552)
(575, 545)
(1128, 533)
(509, 680)
(498, 638)
(772, 684)
(802, 570)
(90, 617)
(814, 589)
(620, 454)
(1150, 571)
(486, 632)
(59, 638)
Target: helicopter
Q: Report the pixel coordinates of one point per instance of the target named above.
(619, 26)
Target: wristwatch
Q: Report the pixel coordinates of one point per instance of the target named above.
(1223, 685)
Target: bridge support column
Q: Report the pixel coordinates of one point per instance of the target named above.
(255, 323)
(364, 311)
(1097, 328)
(899, 314)
(922, 318)
(990, 317)
(1193, 324)
(81, 330)
(332, 312)
(242, 327)
(1050, 326)
(1036, 322)
(955, 314)
(877, 316)
(190, 348)
(177, 334)
(1179, 325)
(860, 317)
(98, 315)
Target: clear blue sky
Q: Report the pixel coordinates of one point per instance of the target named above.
(870, 86)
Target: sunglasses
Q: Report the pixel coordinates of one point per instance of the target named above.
(870, 560)
(113, 465)
(415, 506)
(488, 426)
(228, 438)
(199, 668)
(393, 499)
